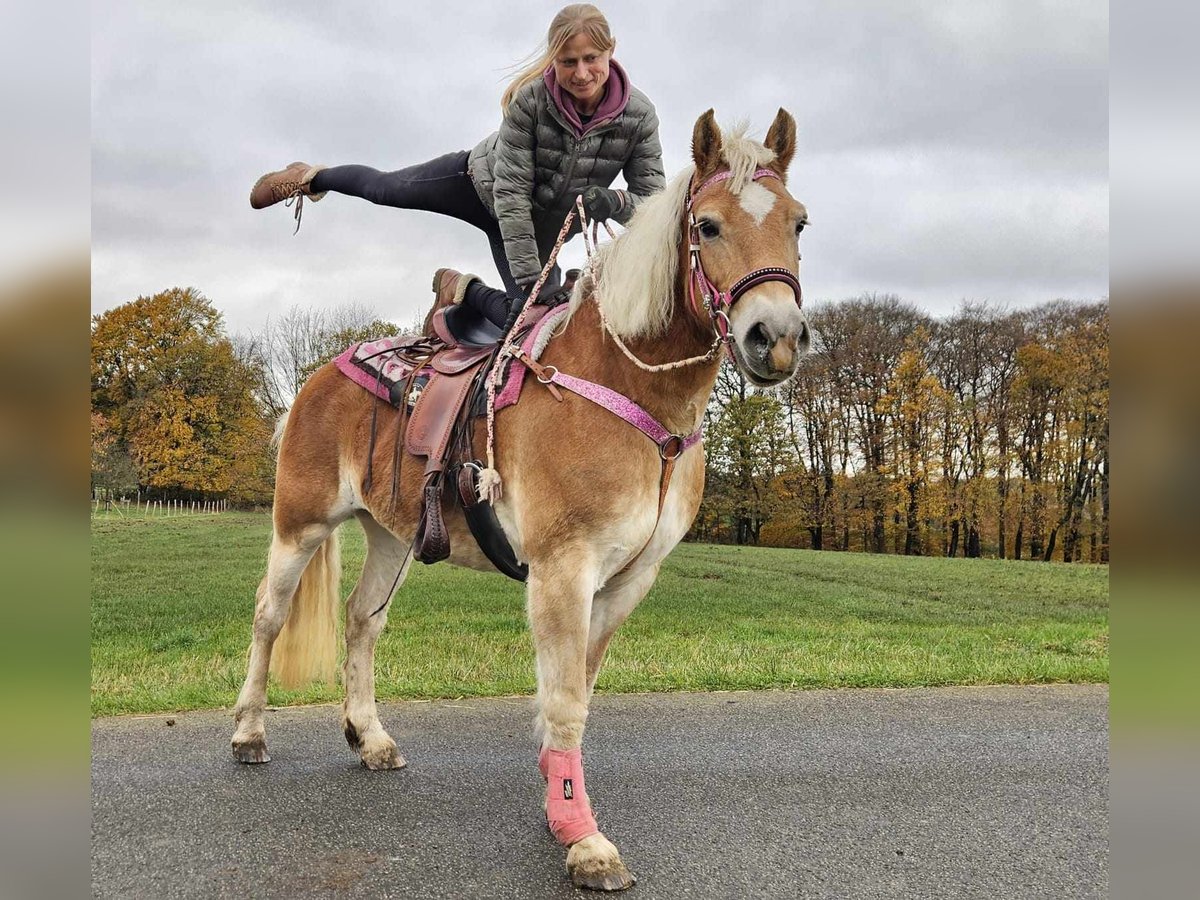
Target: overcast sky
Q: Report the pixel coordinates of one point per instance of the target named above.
(946, 150)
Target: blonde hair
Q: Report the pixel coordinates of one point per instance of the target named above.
(578, 18)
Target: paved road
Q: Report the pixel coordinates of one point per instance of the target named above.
(953, 792)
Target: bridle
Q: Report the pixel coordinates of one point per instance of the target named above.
(717, 303)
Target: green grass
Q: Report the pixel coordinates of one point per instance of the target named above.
(173, 599)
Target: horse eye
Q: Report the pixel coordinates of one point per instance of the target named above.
(800, 225)
(708, 228)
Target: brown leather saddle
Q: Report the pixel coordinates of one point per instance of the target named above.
(440, 426)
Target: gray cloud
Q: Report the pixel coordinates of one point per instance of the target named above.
(945, 150)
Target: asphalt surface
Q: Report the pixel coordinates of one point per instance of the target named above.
(950, 792)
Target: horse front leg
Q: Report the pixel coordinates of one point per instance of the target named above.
(560, 603)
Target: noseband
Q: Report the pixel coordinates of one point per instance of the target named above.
(719, 303)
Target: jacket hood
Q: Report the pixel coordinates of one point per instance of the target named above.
(616, 97)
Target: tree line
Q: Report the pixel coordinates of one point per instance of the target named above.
(984, 433)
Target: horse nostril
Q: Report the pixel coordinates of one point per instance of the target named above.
(758, 341)
(804, 338)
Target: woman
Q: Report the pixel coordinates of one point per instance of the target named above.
(572, 122)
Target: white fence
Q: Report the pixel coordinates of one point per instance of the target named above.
(127, 507)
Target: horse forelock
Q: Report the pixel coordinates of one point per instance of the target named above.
(744, 156)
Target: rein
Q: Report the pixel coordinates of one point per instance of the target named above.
(716, 303)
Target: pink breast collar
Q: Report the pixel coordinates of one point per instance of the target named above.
(670, 446)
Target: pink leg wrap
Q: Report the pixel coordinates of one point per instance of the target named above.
(568, 809)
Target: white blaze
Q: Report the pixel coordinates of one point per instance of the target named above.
(757, 201)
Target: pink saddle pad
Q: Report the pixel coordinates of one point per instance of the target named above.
(376, 366)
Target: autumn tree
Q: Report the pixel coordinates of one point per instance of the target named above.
(1007, 341)
(912, 401)
(113, 472)
(1083, 454)
(746, 452)
(176, 397)
(974, 368)
(864, 338)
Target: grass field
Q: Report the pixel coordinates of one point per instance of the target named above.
(173, 600)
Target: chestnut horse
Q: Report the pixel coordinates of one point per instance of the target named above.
(589, 503)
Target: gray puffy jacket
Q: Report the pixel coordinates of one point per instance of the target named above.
(530, 171)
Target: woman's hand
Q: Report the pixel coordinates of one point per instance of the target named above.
(602, 203)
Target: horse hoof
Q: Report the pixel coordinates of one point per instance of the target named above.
(595, 864)
(251, 752)
(383, 759)
(618, 880)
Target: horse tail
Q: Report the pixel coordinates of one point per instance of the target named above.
(306, 649)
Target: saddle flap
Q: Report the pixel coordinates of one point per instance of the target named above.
(432, 422)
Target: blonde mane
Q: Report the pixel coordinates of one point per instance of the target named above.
(634, 276)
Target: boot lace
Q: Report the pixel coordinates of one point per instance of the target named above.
(295, 198)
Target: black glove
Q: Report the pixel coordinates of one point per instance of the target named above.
(602, 203)
(524, 287)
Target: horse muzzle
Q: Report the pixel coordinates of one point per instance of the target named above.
(770, 334)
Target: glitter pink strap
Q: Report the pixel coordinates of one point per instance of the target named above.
(568, 810)
(725, 175)
(622, 406)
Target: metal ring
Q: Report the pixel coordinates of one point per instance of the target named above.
(551, 378)
(662, 448)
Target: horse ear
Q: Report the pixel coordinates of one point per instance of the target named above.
(706, 145)
(781, 137)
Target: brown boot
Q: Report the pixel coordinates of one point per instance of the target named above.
(449, 288)
(282, 185)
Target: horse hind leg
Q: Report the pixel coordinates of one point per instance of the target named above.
(384, 570)
(286, 564)
(560, 595)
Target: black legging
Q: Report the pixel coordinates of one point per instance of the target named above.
(443, 186)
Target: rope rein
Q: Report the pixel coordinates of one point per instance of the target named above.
(490, 484)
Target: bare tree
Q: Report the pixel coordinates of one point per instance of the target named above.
(292, 346)
(865, 337)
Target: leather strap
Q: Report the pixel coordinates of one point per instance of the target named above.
(485, 527)
(664, 485)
